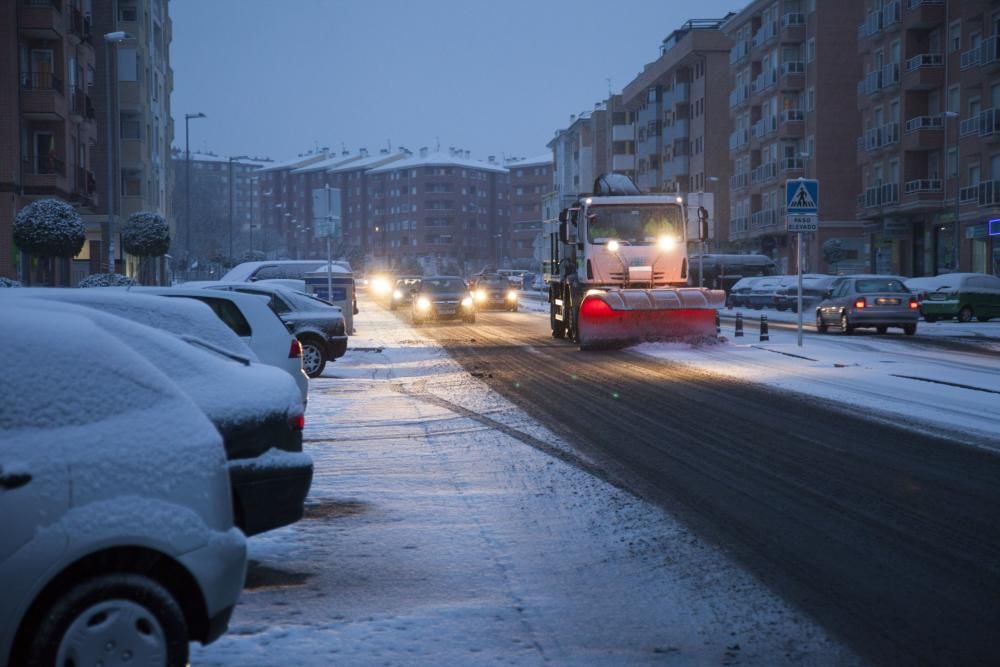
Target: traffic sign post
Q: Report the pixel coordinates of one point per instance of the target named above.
(802, 207)
(326, 223)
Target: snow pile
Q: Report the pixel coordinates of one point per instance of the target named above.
(9, 282)
(107, 280)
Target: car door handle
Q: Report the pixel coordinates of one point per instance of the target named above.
(14, 480)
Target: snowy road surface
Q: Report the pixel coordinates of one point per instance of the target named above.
(444, 526)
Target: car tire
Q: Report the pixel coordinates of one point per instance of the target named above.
(129, 611)
(965, 315)
(821, 326)
(471, 319)
(881, 329)
(910, 329)
(845, 325)
(313, 357)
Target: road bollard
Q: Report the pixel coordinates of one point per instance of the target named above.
(718, 324)
(763, 329)
(739, 325)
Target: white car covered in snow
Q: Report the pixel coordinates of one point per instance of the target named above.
(113, 548)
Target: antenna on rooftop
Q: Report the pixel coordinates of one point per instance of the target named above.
(609, 86)
(437, 144)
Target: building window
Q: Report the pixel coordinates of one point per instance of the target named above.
(952, 162)
(953, 98)
(811, 50)
(810, 98)
(955, 36)
(131, 182)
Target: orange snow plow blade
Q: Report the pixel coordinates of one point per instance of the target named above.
(617, 318)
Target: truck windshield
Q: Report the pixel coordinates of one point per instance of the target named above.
(636, 225)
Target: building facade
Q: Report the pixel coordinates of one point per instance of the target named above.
(929, 150)
(48, 133)
(530, 180)
(678, 103)
(794, 69)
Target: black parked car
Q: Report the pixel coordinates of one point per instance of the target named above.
(443, 298)
(318, 325)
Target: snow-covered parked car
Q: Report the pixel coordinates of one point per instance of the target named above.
(113, 547)
(253, 321)
(256, 408)
(318, 325)
(962, 296)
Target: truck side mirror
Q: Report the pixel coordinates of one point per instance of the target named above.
(562, 216)
(566, 234)
(702, 223)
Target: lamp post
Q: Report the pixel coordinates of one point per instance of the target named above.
(187, 184)
(253, 182)
(231, 160)
(958, 181)
(109, 39)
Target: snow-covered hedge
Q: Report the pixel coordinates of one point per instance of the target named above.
(146, 234)
(9, 282)
(107, 280)
(49, 228)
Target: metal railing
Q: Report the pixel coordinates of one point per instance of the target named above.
(791, 163)
(892, 13)
(44, 165)
(55, 4)
(739, 181)
(989, 193)
(922, 185)
(969, 126)
(793, 116)
(969, 194)
(924, 123)
(41, 81)
(924, 60)
(793, 19)
(914, 4)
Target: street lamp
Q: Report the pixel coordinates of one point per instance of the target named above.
(253, 182)
(958, 181)
(231, 160)
(109, 39)
(187, 184)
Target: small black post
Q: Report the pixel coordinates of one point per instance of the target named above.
(718, 324)
(739, 325)
(763, 329)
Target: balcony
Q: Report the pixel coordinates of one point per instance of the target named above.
(969, 195)
(623, 133)
(623, 163)
(890, 75)
(739, 96)
(970, 58)
(989, 53)
(764, 81)
(989, 193)
(871, 84)
(989, 124)
(892, 15)
(924, 72)
(41, 19)
(792, 124)
(738, 226)
(764, 173)
(682, 93)
(793, 75)
(42, 98)
(926, 191)
(923, 14)
(789, 164)
(793, 28)
(738, 139)
(969, 126)
(765, 34)
(739, 181)
(44, 175)
(871, 26)
(765, 219)
(878, 196)
(738, 52)
(923, 133)
(80, 26)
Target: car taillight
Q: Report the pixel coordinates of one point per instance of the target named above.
(295, 351)
(860, 303)
(913, 303)
(297, 423)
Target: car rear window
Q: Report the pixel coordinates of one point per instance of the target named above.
(873, 285)
(228, 312)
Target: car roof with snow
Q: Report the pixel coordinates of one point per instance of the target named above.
(942, 281)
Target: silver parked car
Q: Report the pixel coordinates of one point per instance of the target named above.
(868, 301)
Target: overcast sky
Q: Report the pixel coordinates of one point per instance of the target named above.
(494, 77)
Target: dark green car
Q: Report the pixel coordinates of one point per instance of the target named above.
(959, 295)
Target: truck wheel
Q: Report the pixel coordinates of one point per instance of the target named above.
(558, 327)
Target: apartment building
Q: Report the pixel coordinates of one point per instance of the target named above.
(793, 112)
(530, 180)
(930, 147)
(579, 152)
(48, 134)
(282, 205)
(442, 210)
(681, 120)
(361, 239)
(142, 128)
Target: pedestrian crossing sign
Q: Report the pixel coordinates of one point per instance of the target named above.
(802, 196)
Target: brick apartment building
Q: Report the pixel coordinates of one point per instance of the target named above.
(530, 180)
(48, 132)
(442, 210)
(678, 103)
(793, 113)
(282, 205)
(930, 147)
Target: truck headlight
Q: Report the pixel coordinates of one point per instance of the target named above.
(612, 246)
(667, 243)
(423, 303)
(467, 302)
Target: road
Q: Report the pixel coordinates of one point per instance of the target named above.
(886, 536)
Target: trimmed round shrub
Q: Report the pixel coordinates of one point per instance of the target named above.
(146, 234)
(107, 280)
(49, 228)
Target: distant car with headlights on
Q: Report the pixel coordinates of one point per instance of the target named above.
(443, 298)
(959, 295)
(495, 292)
(868, 301)
(402, 291)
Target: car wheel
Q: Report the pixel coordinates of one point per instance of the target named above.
(513, 309)
(820, 324)
(313, 359)
(471, 319)
(845, 325)
(910, 329)
(881, 329)
(112, 618)
(930, 318)
(965, 315)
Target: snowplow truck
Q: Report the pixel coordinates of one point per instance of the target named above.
(618, 270)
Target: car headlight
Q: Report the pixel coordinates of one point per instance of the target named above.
(423, 303)
(480, 295)
(396, 294)
(512, 295)
(467, 302)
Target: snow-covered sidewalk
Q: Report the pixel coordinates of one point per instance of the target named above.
(438, 534)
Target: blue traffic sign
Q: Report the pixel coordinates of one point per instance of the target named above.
(802, 196)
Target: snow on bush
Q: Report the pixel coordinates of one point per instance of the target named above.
(49, 228)
(146, 234)
(9, 282)
(107, 280)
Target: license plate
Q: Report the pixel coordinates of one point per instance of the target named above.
(886, 301)
(446, 311)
